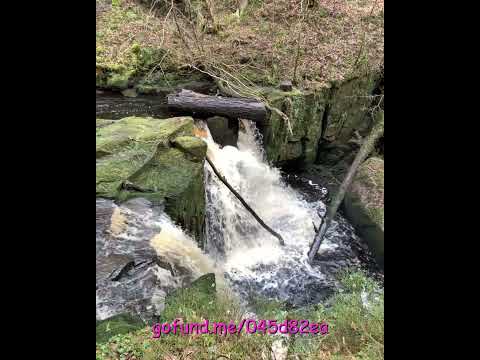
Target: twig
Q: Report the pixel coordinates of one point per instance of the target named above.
(237, 195)
(282, 115)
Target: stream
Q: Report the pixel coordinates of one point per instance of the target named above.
(141, 255)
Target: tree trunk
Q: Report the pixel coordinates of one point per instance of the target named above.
(189, 102)
(366, 148)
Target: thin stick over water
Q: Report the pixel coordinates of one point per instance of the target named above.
(237, 195)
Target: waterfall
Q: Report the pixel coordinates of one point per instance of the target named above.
(142, 255)
(252, 259)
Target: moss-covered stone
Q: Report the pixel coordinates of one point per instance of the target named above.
(104, 122)
(333, 113)
(349, 103)
(305, 111)
(118, 324)
(141, 157)
(191, 145)
(364, 204)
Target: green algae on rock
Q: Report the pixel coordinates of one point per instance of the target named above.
(305, 112)
(157, 159)
(349, 103)
(328, 115)
(191, 145)
(103, 122)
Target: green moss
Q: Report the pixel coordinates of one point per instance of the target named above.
(118, 81)
(191, 145)
(136, 157)
(305, 111)
(355, 319)
(348, 108)
(162, 83)
(369, 187)
(146, 66)
(119, 68)
(348, 103)
(118, 324)
(103, 122)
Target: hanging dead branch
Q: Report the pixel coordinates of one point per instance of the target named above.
(366, 148)
(239, 197)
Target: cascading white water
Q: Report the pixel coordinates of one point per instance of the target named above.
(252, 258)
(129, 277)
(133, 237)
(137, 243)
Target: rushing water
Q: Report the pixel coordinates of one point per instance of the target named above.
(252, 259)
(142, 255)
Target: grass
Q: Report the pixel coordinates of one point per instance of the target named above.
(338, 39)
(355, 316)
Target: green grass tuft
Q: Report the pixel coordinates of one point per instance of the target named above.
(355, 316)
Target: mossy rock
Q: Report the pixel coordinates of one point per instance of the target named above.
(305, 111)
(141, 157)
(349, 102)
(364, 205)
(206, 284)
(333, 113)
(104, 122)
(191, 145)
(118, 324)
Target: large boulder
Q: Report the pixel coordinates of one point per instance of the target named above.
(156, 159)
(364, 205)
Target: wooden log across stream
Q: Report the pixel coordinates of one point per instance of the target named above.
(189, 102)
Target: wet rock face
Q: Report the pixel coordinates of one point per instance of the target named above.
(224, 131)
(296, 140)
(130, 276)
(364, 205)
(331, 115)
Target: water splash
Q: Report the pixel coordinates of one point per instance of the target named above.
(251, 257)
(141, 256)
(174, 244)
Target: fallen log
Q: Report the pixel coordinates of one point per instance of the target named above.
(192, 103)
(250, 210)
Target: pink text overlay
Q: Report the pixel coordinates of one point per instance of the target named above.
(249, 326)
